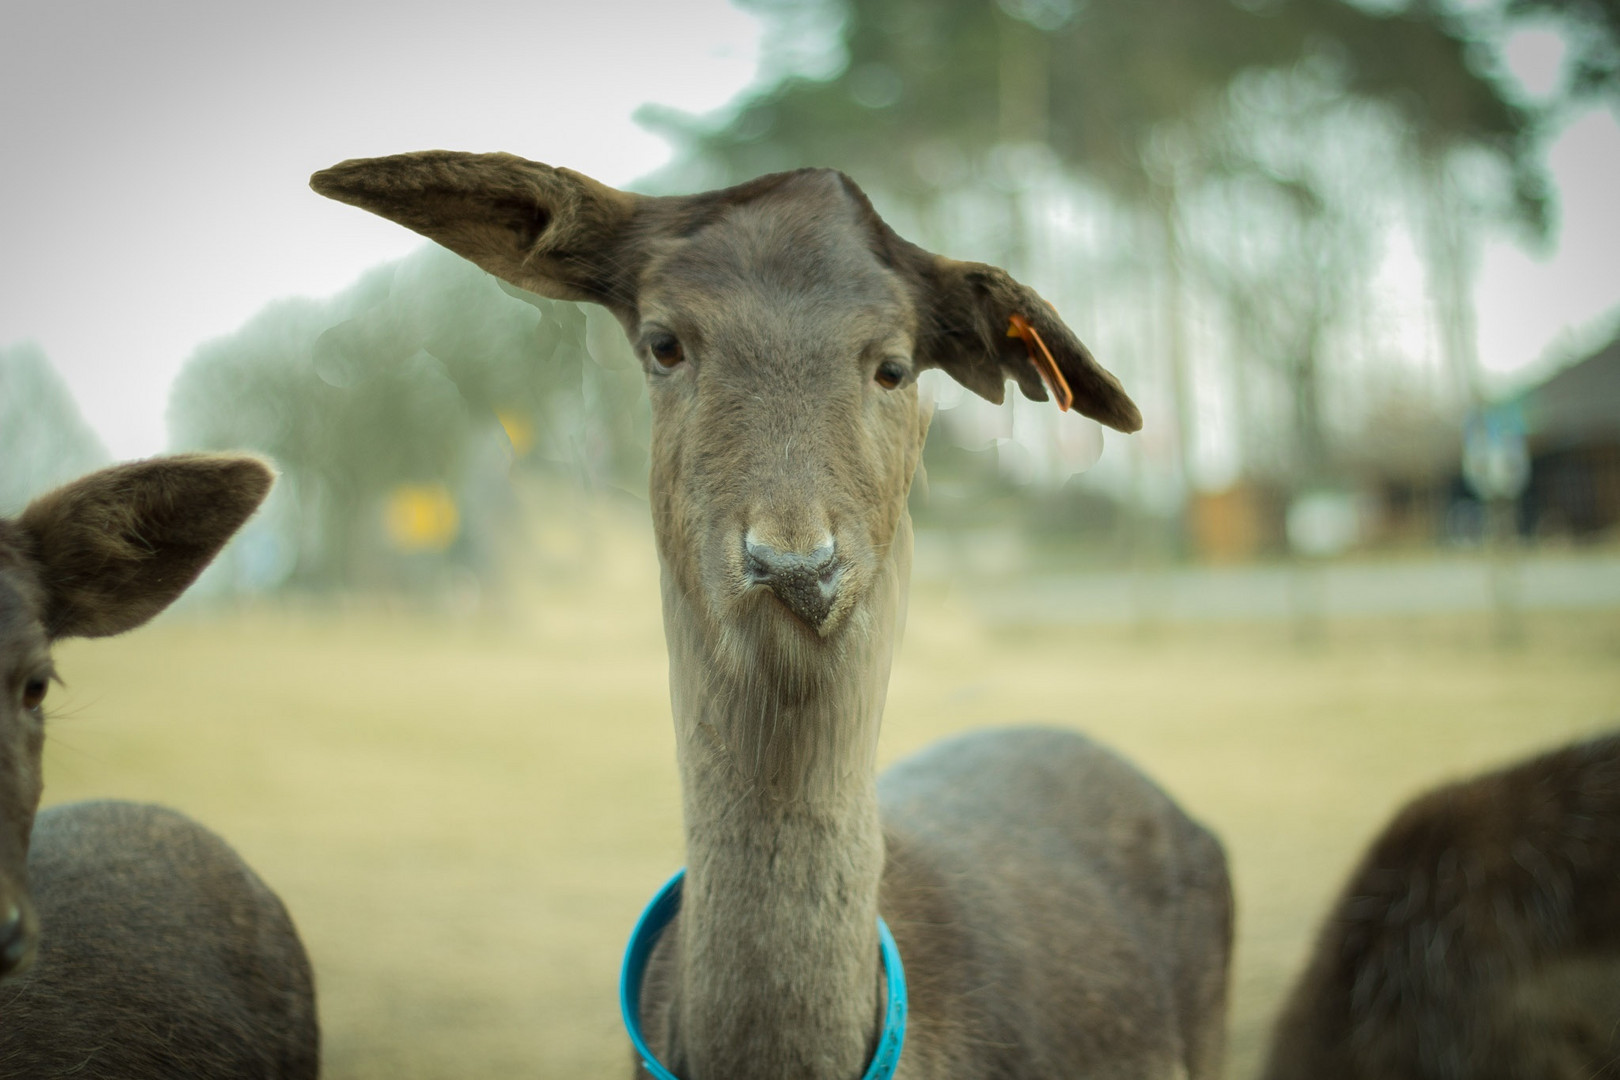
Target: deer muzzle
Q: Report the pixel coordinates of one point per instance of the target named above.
(805, 581)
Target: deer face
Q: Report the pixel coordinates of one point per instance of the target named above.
(25, 673)
(779, 353)
(782, 325)
(97, 557)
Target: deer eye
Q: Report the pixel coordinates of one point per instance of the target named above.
(890, 374)
(666, 350)
(34, 692)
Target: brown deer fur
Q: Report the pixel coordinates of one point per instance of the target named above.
(1058, 916)
(143, 947)
(1479, 937)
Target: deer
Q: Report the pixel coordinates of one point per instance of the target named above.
(1478, 937)
(134, 942)
(1049, 910)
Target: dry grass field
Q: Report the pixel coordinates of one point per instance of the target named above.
(465, 814)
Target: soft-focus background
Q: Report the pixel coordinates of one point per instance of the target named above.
(1353, 259)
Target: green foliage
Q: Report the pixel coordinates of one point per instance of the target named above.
(1594, 27)
(1237, 168)
(931, 87)
(410, 377)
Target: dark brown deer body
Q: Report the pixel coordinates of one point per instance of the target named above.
(1479, 938)
(1057, 914)
(139, 945)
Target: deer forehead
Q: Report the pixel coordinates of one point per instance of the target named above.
(797, 265)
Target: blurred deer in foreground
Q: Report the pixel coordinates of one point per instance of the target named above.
(1479, 937)
(1058, 915)
(134, 943)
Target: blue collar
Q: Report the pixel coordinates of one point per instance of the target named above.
(657, 916)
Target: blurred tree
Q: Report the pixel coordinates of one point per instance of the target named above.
(1593, 28)
(403, 384)
(44, 441)
(1294, 186)
(931, 87)
(932, 97)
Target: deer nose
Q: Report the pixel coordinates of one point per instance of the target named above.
(13, 941)
(806, 582)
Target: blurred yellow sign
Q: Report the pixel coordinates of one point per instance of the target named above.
(421, 517)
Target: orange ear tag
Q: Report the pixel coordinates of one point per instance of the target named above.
(1041, 357)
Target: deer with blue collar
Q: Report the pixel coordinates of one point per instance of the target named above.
(1053, 912)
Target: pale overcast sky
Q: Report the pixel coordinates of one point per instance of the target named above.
(156, 157)
(157, 154)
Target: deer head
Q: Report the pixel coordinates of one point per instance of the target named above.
(99, 556)
(782, 326)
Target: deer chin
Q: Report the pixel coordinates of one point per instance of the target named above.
(754, 634)
(764, 626)
(768, 612)
(753, 617)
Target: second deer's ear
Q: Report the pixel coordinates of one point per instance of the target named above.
(982, 327)
(114, 548)
(551, 231)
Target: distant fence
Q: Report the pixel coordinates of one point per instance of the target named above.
(1456, 585)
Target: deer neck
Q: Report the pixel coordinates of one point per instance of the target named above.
(779, 965)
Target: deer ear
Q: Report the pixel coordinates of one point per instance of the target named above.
(551, 231)
(969, 325)
(118, 546)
